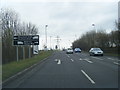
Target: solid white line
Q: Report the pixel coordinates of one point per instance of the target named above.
(88, 77)
(116, 63)
(72, 60)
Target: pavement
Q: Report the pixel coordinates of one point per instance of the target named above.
(77, 70)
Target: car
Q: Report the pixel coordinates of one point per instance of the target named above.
(95, 51)
(63, 49)
(69, 51)
(77, 50)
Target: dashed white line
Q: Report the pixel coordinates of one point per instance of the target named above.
(110, 58)
(117, 60)
(88, 77)
(56, 59)
(88, 61)
(116, 63)
(72, 60)
(113, 59)
(68, 56)
(80, 59)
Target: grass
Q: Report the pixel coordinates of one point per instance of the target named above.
(12, 68)
(108, 54)
(0, 73)
(113, 54)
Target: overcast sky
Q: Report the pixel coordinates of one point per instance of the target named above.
(68, 19)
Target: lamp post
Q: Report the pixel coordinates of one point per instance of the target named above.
(93, 35)
(94, 28)
(46, 35)
(50, 42)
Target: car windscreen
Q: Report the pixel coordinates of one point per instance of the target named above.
(97, 49)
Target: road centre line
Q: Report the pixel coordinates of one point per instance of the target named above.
(88, 77)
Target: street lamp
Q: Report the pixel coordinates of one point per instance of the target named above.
(46, 35)
(94, 28)
(50, 42)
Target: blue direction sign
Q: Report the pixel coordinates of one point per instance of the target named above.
(26, 40)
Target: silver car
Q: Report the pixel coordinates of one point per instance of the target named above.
(69, 51)
(95, 51)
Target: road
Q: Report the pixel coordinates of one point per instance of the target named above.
(78, 70)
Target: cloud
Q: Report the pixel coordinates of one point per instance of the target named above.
(61, 1)
(67, 19)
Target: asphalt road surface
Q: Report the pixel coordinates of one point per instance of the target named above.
(78, 70)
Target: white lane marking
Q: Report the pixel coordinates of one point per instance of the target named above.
(88, 77)
(88, 60)
(117, 59)
(68, 56)
(97, 58)
(56, 60)
(113, 59)
(72, 60)
(116, 63)
(110, 58)
(80, 59)
(59, 61)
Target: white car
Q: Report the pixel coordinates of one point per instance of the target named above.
(95, 51)
(69, 51)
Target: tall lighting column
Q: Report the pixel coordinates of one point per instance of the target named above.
(46, 35)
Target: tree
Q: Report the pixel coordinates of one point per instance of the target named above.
(10, 26)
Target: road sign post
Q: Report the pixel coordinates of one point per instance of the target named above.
(25, 40)
(17, 53)
(23, 52)
(29, 52)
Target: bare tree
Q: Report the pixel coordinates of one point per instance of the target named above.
(10, 25)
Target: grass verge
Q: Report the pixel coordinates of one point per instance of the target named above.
(0, 73)
(112, 54)
(12, 68)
